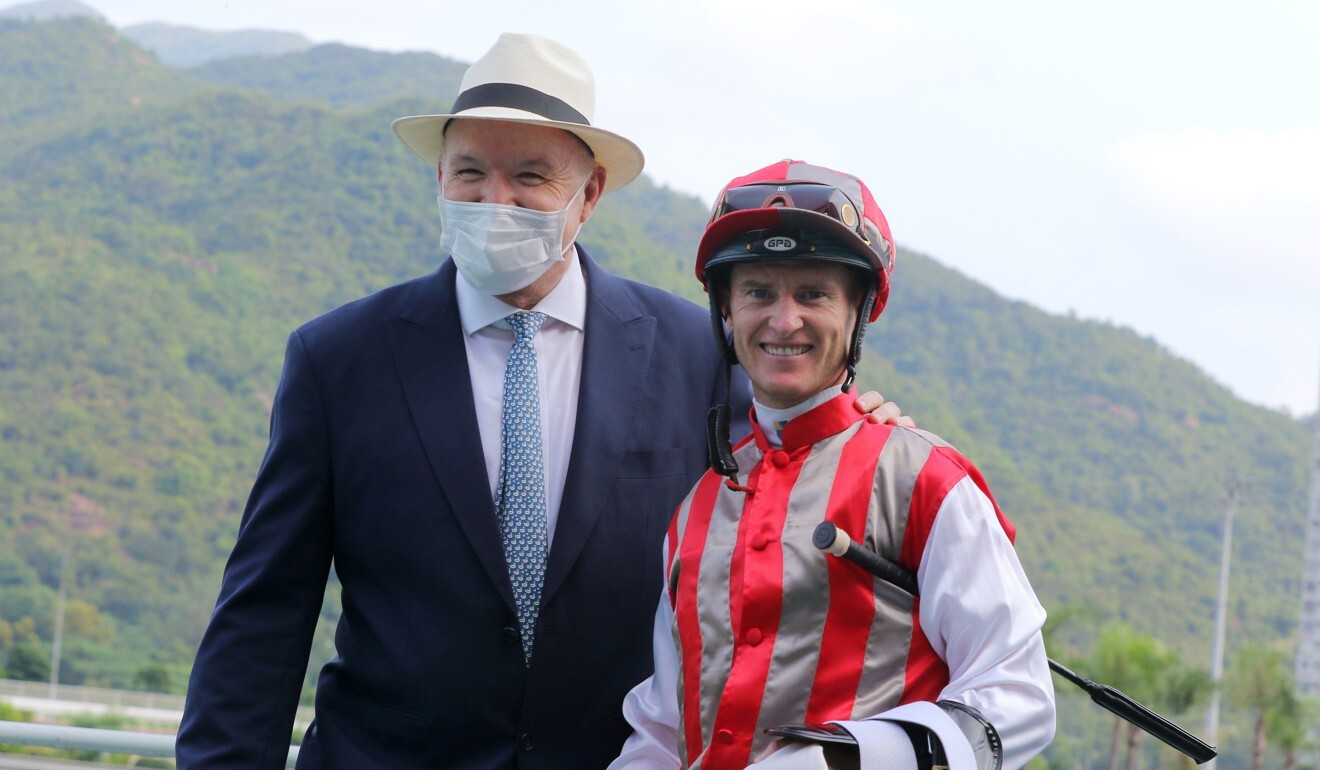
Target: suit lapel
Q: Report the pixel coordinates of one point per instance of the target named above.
(427, 341)
(615, 360)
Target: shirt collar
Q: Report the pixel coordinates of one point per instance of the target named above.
(772, 421)
(567, 302)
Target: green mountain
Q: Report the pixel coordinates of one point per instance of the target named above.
(340, 76)
(175, 45)
(162, 230)
(187, 46)
(45, 10)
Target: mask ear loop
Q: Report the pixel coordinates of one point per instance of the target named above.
(573, 240)
(441, 201)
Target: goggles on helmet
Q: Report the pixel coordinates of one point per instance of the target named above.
(807, 205)
(820, 198)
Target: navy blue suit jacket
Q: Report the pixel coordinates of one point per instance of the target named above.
(375, 465)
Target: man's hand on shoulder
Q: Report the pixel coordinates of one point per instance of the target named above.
(878, 410)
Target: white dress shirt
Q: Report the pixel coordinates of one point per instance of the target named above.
(489, 338)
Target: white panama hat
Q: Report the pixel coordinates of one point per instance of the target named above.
(529, 79)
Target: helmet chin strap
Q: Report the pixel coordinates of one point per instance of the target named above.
(859, 331)
(719, 447)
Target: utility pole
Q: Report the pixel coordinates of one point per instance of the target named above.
(59, 620)
(1221, 624)
(1307, 671)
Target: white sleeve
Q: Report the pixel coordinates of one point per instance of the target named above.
(652, 706)
(983, 619)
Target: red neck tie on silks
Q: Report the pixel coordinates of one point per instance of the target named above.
(520, 497)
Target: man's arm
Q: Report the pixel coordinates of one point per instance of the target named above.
(251, 663)
(982, 618)
(652, 706)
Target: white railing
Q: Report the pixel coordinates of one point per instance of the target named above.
(147, 709)
(115, 700)
(152, 708)
(96, 739)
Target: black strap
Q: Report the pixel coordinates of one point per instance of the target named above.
(859, 332)
(719, 449)
(519, 97)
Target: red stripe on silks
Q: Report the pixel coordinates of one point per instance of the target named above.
(685, 604)
(979, 480)
(735, 568)
(944, 468)
(671, 542)
(926, 674)
(934, 480)
(851, 594)
(755, 604)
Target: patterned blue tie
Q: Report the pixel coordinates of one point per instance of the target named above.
(520, 498)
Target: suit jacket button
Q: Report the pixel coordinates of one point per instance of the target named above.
(527, 742)
(510, 634)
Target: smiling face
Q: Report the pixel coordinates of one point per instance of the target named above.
(529, 166)
(791, 323)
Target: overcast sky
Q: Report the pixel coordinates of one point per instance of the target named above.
(1151, 163)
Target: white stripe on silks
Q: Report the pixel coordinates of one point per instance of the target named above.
(795, 756)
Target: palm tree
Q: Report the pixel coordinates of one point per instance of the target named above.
(1258, 682)
(1143, 668)
(1290, 721)
(1181, 689)
(1129, 661)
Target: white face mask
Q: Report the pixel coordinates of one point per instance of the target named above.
(500, 249)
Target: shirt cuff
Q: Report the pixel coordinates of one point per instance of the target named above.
(882, 745)
(879, 752)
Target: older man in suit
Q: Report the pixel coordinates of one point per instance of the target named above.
(488, 455)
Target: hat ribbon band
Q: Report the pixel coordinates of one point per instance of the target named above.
(518, 97)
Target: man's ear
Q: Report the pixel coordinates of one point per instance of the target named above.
(722, 300)
(591, 193)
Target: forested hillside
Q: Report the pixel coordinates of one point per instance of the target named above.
(338, 75)
(162, 231)
(188, 47)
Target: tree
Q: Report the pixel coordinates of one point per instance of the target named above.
(1127, 660)
(152, 678)
(29, 662)
(1290, 720)
(1145, 669)
(1258, 682)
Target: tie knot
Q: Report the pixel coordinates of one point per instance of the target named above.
(525, 323)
